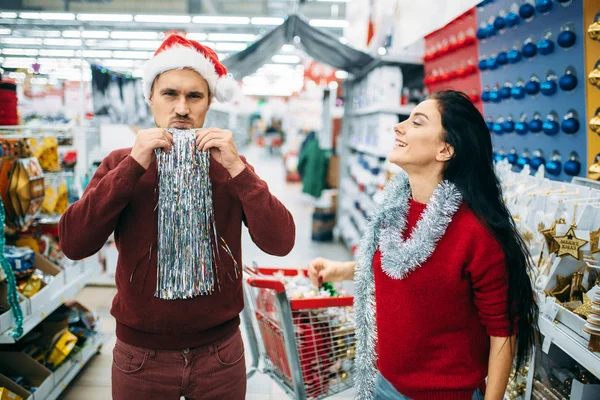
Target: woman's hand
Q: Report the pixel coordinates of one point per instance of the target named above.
(323, 270)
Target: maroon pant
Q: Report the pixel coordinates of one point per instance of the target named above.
(217, 371)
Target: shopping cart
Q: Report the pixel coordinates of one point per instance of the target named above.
(306, 345)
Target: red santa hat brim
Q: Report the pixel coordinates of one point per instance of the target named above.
(179, 56)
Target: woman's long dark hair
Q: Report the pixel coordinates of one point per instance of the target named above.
(472, 171)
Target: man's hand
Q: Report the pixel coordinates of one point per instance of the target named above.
(222, 148)
(322, 270)
(146, 141)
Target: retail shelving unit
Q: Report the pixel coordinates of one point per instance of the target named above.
(372, 108)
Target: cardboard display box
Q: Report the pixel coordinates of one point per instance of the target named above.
(14, 388)
(17, 363)
(49, 291)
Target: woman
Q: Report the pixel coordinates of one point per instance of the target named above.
(439, 266)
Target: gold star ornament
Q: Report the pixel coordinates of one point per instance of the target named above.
(570, 245)
(594, 238)
(585, 309)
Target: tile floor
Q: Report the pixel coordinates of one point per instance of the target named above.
(93, 383)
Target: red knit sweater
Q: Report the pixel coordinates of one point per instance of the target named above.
(434, 326)
(121, 198)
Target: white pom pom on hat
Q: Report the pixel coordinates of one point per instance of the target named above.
(177, 52)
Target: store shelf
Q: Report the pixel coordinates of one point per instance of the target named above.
(571, 343)
(66, 293)
(367, 150)
(78, 362)
(403, 110)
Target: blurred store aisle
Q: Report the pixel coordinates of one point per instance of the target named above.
(93, 383)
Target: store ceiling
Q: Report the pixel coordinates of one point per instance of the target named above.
(64, 36)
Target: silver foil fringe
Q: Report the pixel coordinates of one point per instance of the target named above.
(187, 236)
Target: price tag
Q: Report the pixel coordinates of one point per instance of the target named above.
(64, 386)
(553, 311)
(43, 315)
(546, 344)
(63, 300)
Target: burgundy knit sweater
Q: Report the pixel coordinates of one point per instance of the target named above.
(121, 198)
(434, 326)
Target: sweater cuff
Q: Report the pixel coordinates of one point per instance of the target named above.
(242, 181)
(129, 170)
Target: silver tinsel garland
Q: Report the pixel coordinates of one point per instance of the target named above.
(399, 258)
(187, 236)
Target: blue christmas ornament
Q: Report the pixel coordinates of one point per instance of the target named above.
(502, 58)
(573, 166)
(491, 31)
(529, 50)
(566, 39)
(570, 123)
(512, 19)
(526, 11)
(499, 157)
(543, 6)
(532, 87)
(568, 81)
(536, 162)
(495, 96)
(514, 56)
(497, 129)
(482, 33)
(521, 128)
(554, 167)
(505, 92)
(485, 96)
(535, 125)
(499, 23)
(549, 87)
(545, 47)
(518, 92)
(512, 157)
(508, 126)
(483, 64)
(492, 63)
(489, 124)
(522, 161)
(550, 127)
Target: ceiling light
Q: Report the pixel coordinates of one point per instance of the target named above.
(20, 52)
(329, 23)
(172, 19)
(288, 48)
(196, 36)
(118, 63)
(18, 62)
(105, 17)
(107, 44)
(22, 41)
(145, 44)
(142, 55)
(8, 15)
(232, 37)
(333, 85)
(204, 19)
(86, 34)
(133, 35)
(41, 33)
(57, 53)
(267, 21)
(62, 42)
(382, 51)
(5, 31)
(340, 74)
(333, 1)
(97, 53)
(285, 59)
(48, 16)
(230, 46)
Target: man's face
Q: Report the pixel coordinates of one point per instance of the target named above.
(179, 99)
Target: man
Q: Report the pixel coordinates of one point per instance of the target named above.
(171, 348)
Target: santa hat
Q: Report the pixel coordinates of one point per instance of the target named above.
(177, 52)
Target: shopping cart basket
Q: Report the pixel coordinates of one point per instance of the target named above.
(306, 345)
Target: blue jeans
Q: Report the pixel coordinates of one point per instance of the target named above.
(384, 390)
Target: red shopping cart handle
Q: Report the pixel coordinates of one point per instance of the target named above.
(267, 284)
(321, 302)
